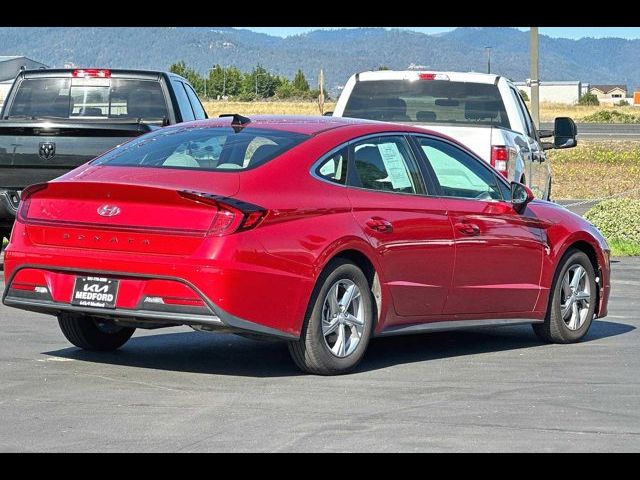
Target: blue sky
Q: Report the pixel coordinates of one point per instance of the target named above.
(565, 32)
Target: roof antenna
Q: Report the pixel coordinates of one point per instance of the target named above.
(238, 122)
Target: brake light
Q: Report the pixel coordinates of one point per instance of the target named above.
(500, 160)
(432, 76)
(25, 199)
(91, 73)
(232, 215)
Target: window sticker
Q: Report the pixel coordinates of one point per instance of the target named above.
(394, 163)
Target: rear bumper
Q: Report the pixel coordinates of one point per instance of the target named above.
(210, 317)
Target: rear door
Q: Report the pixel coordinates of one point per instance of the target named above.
(407, 227)
(499, 252)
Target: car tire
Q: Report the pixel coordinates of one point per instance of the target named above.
(572, 304)
(330, 344)
(90, 333)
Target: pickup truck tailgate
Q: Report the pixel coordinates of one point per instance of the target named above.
(478, 139)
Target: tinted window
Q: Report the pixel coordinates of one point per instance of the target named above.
(427, 101)
(334, 168)
(90, 97)
(458, 173)
(195, 103)
(202, 148)
(386, 164)
(183, 101)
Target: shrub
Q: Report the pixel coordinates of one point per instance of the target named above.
(622, 103)
(617, 220)
(589, 99)
(610, 116)
(524, 95)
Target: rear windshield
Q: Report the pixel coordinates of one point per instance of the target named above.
(203, 148)
(89, 98)
(427, 101)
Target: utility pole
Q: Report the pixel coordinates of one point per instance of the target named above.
(488, 49)
(321, 96)
(224, 81)
(535, 77)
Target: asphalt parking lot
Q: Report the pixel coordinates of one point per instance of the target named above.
(179, 390)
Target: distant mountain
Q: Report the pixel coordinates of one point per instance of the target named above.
(339, 52)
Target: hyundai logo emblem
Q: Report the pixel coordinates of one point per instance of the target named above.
(108, 210)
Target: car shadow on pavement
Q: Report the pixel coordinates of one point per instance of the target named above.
(197, 352)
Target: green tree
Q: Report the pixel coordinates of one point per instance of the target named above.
(383, 67)
(524, 95)
(589, 99)
(193, 77)
(300, 82)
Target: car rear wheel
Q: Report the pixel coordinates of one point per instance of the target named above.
(573, 301)
(339, 322)
(92, 333)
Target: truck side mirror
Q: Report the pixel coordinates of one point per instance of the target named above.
(564, 133)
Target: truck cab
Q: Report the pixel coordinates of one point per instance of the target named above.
(485, 112)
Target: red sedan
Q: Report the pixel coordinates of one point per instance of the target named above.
(321, 231)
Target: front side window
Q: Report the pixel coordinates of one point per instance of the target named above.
(386, 164)
(334, 168)
(458, 173)
(203, 148)
(114, 98)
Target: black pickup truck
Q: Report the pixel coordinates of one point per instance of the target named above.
(55, 120)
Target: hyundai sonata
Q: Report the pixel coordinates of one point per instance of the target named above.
(324, 232)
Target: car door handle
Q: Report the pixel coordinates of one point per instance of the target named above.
(468, 228)
(379, 225)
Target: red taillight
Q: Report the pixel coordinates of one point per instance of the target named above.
(500, 160)
(231, 216)
(432, 76)
(91, 73)
(25, 199)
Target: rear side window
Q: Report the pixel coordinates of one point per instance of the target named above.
(90, 97)
(203, 148)
(386, 164)
(427, 101)
(334, 168)
(198, 110)
(183, 101)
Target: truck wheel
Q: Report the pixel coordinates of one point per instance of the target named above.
(93, 334)
(573, 301)
(338, 326)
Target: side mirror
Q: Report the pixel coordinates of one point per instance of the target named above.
(564, 133)
(521, 195)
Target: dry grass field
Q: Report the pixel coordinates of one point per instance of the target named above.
(596, 169)
(548, 111)
(266, 108)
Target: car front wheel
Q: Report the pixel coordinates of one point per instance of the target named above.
(93, 334)
(573, 301)
(338, 326)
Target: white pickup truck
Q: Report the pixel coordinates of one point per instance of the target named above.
(485, 112)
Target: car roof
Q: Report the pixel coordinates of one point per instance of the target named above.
(472, 77)
(311, 125)
(115, 73)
